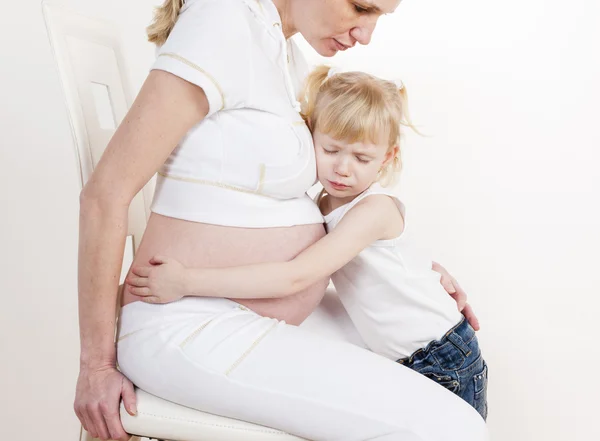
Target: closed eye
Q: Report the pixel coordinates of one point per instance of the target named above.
(367, 9)
(330, 152)
(363, 160)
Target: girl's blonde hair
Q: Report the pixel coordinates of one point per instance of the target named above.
(163, 22)
(357, 107)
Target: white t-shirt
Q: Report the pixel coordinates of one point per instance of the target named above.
(392, 295)
(250, 162)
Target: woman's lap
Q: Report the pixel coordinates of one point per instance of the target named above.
(229, 361)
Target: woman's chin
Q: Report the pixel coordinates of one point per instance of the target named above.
(324, 48)
(328, 53)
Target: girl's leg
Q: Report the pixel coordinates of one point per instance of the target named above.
(241, 365)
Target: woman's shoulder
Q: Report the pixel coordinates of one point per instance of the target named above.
(216, 16)
(227, 5)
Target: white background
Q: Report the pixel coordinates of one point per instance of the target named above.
(504, 192)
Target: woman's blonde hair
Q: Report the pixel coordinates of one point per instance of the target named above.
(163, 22)
(357, 107)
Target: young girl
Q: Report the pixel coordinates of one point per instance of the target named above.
(389, 289)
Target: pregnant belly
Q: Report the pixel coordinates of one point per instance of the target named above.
(197, 244)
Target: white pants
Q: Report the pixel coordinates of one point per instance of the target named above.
(219, 357)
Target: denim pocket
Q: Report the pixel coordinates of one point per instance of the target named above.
(444, 380)
(480, 400)
(448, 357)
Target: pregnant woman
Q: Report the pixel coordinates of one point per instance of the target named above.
(218, 118)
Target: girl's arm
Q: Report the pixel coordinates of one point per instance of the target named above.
(373, 218)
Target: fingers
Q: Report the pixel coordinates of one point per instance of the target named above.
(138, 281)
(446, 282)
(98, 426)
(109, 409)
(158, 260)
(445, 278)
(459, 295)
(101, 423)
(129, 399)
(142, 271)
(151, 299)
(456, 292)
(471, 318)
(113, 423)
(97, 402)
(438, 268)
(86, 423)
(140, 291)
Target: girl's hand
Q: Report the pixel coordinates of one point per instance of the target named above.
(163, 282)
(456, 292)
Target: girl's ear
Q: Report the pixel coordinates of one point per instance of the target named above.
(390, 155)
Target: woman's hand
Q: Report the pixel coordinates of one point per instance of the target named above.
(456, 292)
(163, 282)
(97, 400)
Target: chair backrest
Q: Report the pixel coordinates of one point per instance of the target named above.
(89, 58)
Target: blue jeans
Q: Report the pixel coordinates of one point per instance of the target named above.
(455, 362)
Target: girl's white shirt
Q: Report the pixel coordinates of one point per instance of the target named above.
(391, 293)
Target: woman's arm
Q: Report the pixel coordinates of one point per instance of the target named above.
(167, 280)
(164, 110)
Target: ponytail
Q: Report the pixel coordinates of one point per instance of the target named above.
(405, 121)
(163, 22)
(312, 86)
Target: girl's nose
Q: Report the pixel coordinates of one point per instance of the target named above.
(341, 167)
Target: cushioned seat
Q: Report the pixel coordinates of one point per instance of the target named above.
(158, 418)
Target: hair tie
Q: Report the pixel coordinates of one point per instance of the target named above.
(399, 84)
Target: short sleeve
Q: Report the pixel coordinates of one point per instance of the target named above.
(210, 47)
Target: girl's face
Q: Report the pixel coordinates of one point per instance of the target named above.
(330, 26)
(346, 170)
